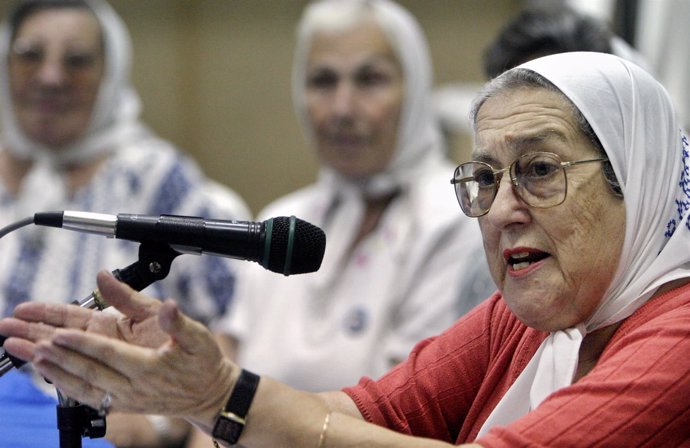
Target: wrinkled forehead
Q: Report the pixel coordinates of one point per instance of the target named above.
(324, 28)
(526, 118)
(29, 10)
(617, 98)
(361, 44)
(61, 29)
(506, 102)
(397, 25)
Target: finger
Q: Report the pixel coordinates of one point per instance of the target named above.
(32, 327)
(21, 336)
(126, 359)
(55, 314)
(129, 302)
(86, 378)
(20, 348)
(12, 327)
(187, 333)
(91, 380)
(85, 365)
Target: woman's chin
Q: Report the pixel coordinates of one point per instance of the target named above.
(538, 312)
(51, 140)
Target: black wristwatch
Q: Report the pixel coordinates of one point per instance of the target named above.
(231, 419)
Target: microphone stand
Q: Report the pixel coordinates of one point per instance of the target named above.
(75, 420)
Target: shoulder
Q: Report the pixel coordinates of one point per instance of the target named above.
(222, 197)
(662, 320)
(487, 333)
(434, 200)
(175, 181)
(304, 203)
(149, 148)
(153, 160)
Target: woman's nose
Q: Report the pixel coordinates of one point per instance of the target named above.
(507, 207)
(343, 101)
(51, 71)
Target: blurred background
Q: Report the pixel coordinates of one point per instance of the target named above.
(214, 75)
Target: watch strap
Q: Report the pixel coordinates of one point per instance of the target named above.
(231, 420)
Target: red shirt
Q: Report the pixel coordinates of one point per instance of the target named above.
(638, 394)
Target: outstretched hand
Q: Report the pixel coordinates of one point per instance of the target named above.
(36, 321)
(150, 359)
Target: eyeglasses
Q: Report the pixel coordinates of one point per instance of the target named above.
(538, 179)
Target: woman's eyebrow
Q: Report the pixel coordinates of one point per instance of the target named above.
(520, 145)
(483, 157)
(523, 143)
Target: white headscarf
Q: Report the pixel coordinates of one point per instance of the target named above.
(419, 140)
(115, 118)
(632, 115)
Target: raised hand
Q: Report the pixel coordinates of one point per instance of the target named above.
(150, 359)
(136, 322)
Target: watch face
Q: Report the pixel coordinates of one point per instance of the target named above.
(230, 421)
(227, 430)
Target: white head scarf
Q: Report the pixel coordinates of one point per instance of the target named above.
(632, 115)
(115, 116)
(419, 140)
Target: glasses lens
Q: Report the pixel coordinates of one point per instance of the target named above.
(540, 179)
(475, 188)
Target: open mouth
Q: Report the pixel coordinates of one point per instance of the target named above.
(522, 260)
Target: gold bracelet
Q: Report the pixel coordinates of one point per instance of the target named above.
(324, 428)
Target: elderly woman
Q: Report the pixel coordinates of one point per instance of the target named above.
(72, 140)
(396, 247)
(580, 181)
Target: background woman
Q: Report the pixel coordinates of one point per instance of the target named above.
(397, 257)
(71, 139)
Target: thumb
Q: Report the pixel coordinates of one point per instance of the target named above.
(188, 334)
(128, 301)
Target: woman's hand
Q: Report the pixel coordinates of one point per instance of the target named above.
(151, 359)
(154, 360)
(35, 321)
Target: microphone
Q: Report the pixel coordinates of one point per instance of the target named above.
(7, 361)
(286, 245)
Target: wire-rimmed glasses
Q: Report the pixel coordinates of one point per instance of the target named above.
(538, 178)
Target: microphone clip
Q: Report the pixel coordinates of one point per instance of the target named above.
(155, 260)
